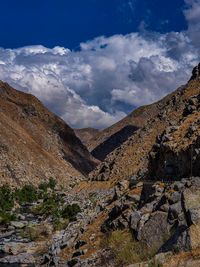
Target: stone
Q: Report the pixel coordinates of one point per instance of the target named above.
(73, 262)
(122, 224)
(84, 251)
(155, 230)
(76, 254)
(79, 244)
(175, 210)
(178, 186)
(21, 217)
(14, 248)
(19, 225)
(174, 198)
(134, 220)
(22, 258)
(133, 198)
(192, 205)
(162, 257)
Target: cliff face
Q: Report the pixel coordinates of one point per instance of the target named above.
(146, 153)
(35, 144)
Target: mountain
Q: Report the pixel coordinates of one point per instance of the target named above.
(142, 153)
(35, 144)
(86, 134)
(114, 136)
(141, 205)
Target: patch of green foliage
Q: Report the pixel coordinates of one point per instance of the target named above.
(51, 206)
(70, 212)
(6, 204)
(27, 194)
(6, 198)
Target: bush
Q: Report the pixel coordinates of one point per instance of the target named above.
(27, 194)
(70, 212)
(6, 198)
(6, 218)
(52, 183)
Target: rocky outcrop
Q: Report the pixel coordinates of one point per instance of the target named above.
(154, 149)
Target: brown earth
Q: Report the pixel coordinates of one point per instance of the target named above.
(35, 144)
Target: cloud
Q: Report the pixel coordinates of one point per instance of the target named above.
(192, 14)
(97, 85)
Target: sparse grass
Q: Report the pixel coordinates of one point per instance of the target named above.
(125, 249)
(36, 232)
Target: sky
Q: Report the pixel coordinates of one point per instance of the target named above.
(92, 62)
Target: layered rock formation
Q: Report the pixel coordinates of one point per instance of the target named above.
(35, 144)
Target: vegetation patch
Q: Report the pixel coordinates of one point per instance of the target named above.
(51, 205)
(125, 249)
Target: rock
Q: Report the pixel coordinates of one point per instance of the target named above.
(164, 208)
(14, 248)
(134, 220)
(21, 217)
(133, 198)
(155, 230)
(162, 257)
(122, 224)
(79, 244)
(174, 198)
(178, 186)
(191, 201)
(175, 210)
(19, 225)
(194, 233)
(144, 218)
(73, 262)
(84, 251)
(116, 210)
(76, 254)
(25, 258)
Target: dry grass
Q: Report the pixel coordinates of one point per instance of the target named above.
(125, 250)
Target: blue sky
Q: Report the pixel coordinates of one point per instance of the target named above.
(92, 62)
(68, 23)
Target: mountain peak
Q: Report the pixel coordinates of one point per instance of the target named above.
(196, 72)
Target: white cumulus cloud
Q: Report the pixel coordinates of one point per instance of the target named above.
(97, 85)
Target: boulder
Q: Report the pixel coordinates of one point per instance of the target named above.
(155, 230)
(175, 210)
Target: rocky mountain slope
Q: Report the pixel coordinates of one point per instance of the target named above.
(154, 151)
(86, 134)
(35, 144)
(112, 137)
(140, 207)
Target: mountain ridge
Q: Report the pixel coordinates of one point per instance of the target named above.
(32, 133)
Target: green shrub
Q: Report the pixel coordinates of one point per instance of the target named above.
(6, 198)
(52, 183)
(60, 223)
(27, 194)
(70, 212)
(43, 187)
(6, 218)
